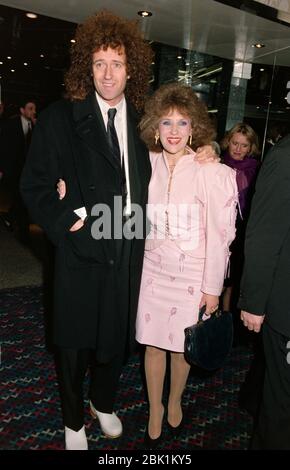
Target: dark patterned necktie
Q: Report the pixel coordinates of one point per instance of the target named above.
(112, 135)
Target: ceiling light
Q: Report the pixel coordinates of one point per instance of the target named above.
(73, 40)
(258, 45)
(1, 63)
(12, 70)
(32, 16)
(8, 57)
(25, 63)
(144, 13)
(179, 57)
(262, 70)
(41, 55)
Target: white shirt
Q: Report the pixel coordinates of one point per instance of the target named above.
(26, 124)
(121, 129)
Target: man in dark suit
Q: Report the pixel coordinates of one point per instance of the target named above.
(106, 168)
(15, 140)
(265, 292)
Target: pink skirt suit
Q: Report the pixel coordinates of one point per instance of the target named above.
(192, 214)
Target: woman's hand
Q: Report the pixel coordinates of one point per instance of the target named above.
(211, 302)
(61, 188)
(206, 154)
(77, 225)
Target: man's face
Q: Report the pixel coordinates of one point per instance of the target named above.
(110, 74)
(28, 111)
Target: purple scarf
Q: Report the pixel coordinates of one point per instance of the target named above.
(246, 171)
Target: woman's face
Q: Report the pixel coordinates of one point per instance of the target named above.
(174, 130)
(239, 146)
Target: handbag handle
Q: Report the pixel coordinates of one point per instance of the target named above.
(216, 313)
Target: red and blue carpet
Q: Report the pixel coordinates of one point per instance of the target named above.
(30, 406)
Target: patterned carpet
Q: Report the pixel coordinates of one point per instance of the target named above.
(30, 407)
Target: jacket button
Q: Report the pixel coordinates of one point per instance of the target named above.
(92, 187)
(111, 261)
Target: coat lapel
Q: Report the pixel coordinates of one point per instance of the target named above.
(90, 127)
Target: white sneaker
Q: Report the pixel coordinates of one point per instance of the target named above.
(110, 424)
(75, 440)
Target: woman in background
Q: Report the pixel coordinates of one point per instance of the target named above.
(239, 147)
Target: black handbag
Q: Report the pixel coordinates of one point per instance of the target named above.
(209, 342)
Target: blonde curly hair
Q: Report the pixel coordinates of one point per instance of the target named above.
(174, 96)
(100, 31)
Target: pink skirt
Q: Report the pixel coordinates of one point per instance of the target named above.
(169, 297)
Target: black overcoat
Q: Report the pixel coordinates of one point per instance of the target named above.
(69, 142)
(265, 285)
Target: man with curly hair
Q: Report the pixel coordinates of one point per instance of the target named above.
(96, 279)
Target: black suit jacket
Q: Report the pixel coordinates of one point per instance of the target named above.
(13, 150)
(69, 141)
(265, 285)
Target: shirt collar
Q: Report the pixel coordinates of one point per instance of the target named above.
(104, 106)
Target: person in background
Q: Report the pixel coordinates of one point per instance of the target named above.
(275, 132)
(15, 141)
(240, 147)
(191, 209)
(265, 293)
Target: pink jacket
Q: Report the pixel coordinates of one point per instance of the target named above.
(198, 213)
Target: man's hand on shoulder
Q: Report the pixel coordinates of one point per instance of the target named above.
(208, 153)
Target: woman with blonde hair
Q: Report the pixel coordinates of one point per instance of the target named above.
(240, 148)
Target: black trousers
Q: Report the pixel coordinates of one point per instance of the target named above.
(250, 395)
(72, 366)
(273, 428)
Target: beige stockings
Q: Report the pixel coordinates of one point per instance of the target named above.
(155, 367)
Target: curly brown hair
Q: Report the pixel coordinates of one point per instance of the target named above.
(182, 98)
(248, 132)
(100, 31)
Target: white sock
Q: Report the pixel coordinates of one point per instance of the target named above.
(75, 440)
